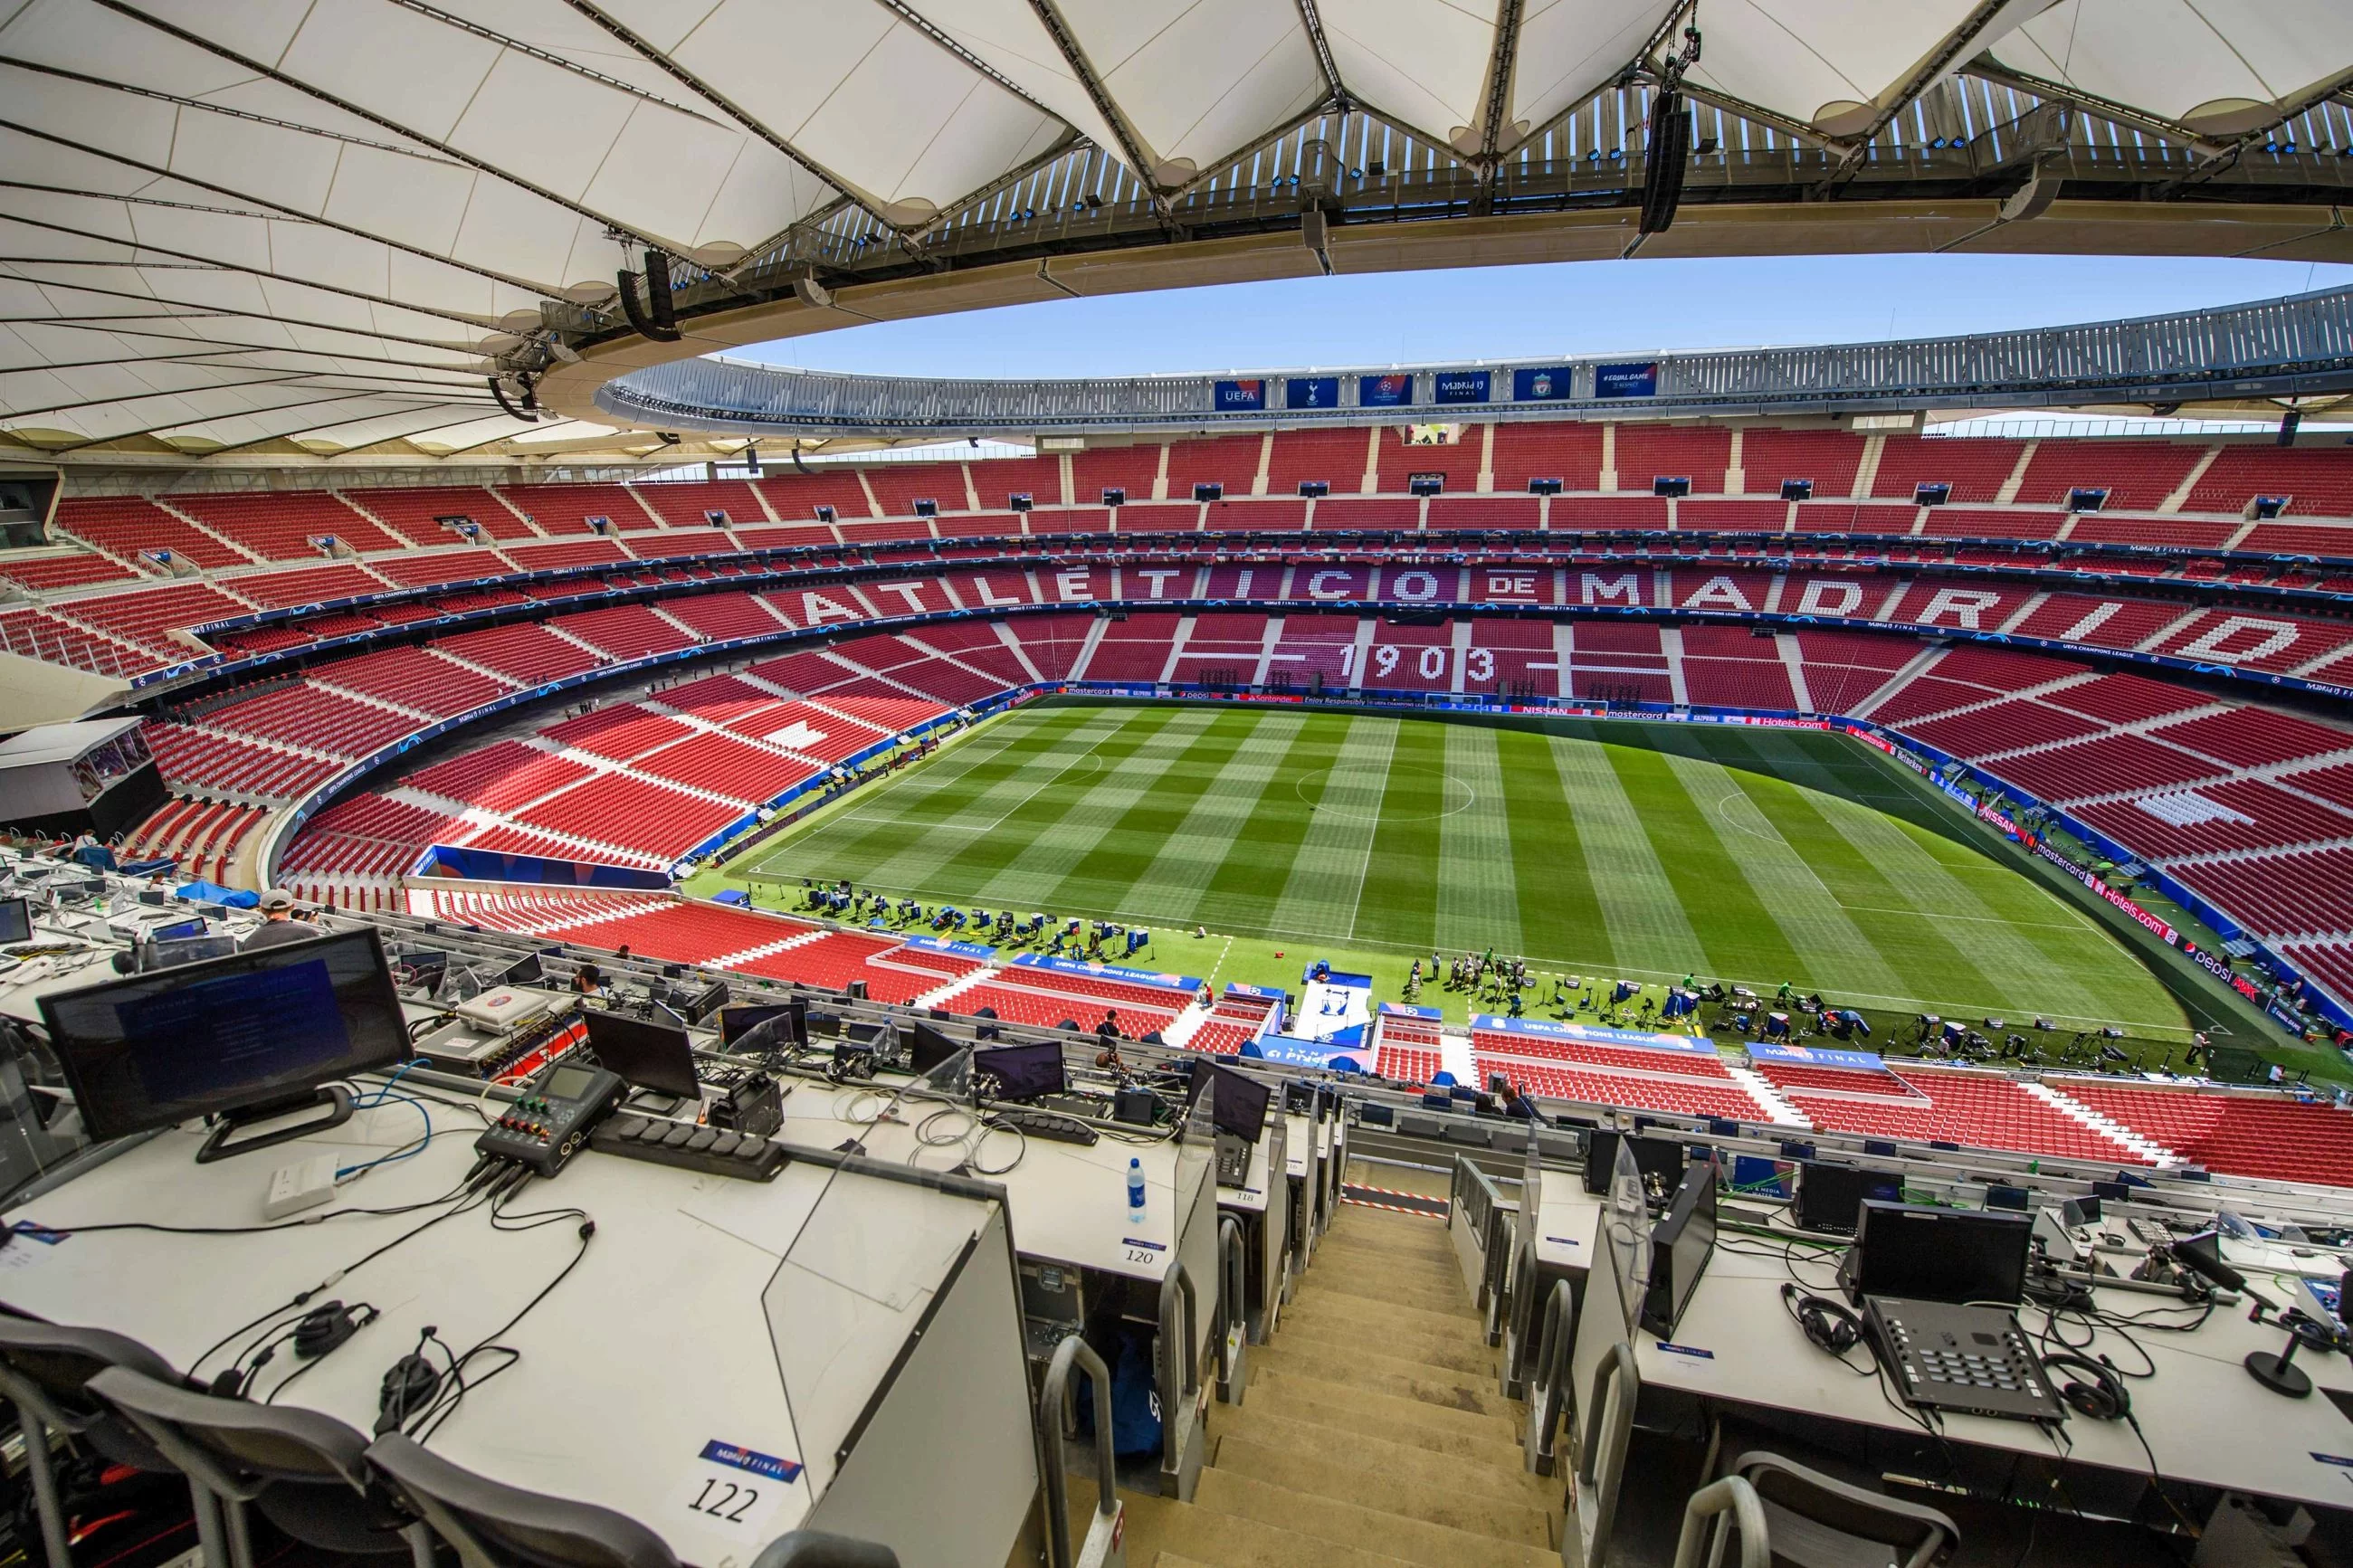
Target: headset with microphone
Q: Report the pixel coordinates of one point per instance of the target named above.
(2102, 1398)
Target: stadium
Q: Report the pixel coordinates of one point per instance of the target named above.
(1580, 789)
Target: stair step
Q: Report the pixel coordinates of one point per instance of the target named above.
(1317, 1303)
(1428, 1273)
(1297, 1412)
(1162, 1531)
(1451, 1353)
(1305, 1395)
(1389, 1374)
(1454, 1302)
(1359, 1528)
(1489, 1467)
(1430, 1492)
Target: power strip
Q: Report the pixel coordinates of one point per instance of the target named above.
(293, 1188)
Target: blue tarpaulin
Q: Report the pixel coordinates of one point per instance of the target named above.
(206, 892)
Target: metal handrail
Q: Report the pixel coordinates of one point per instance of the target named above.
(1548, 1376)
(1601, 1453)
(1054, 1400)
(1180, 1366)
(1704, 1524)
(1233, 1306)
(1520, 1284)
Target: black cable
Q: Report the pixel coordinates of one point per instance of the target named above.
(468, 1198)
(454, 1385)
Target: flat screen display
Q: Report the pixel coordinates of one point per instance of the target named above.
(15, 920)
(741, 1018)
(1241, 1101)
(228, 1034)
(645, 1055)
(1941, 1254)
(1022, 1072)
(1830, 1197)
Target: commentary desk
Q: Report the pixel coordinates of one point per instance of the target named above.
(2207, 1422)
(855, 1328)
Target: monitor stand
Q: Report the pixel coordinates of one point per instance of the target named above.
(218, 1145)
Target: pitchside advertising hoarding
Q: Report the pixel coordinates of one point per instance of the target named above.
(1632, 380)
(1546, 383)
(1312, 392)
(1234, 397)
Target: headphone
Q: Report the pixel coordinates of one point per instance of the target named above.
(2102, 1399)
(410, 1385)
(1822, 1321)
(317, 1331)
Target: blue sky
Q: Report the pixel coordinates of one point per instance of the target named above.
(1512, 312)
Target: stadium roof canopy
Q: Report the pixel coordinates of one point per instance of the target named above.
(234, 226)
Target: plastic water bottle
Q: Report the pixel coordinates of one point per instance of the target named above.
(1134, 1189)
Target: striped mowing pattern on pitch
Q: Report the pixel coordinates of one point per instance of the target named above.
(1752, 856)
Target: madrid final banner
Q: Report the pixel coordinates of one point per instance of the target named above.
(1460, 386)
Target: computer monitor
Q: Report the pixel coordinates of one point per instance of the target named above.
(1921, 1254)
(1830, 1197)
(2113, 1192)
(1681, 1245)
(1021, 1072)
(425, 967)
(930, 1046)
(177, 931)
(1660, 1160)
(645, 1055)
(1241, 1101)
(15, 920)
(245, 1037)
(186, 950)
(2012, 1200)
(154, 897)
(739, 1019)
(524, 971)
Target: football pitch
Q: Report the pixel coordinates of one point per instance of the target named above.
(1647, 851)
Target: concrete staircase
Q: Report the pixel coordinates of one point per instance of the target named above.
(1371, 1433)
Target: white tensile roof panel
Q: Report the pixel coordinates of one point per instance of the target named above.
(2212, 64)
(354, 201)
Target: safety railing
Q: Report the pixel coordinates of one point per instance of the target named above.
(1519, 1305)
(1233, 1311)
(1548, 1379)
(1053, 1413)
(1179, 1371)
(1608, 1429)
(1704, 1517)
(2298, 336)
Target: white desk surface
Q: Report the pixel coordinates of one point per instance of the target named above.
(1252, 1196)
(1068, 1202)
(664, 1300)
(2206, 1420)
(1564, 1221)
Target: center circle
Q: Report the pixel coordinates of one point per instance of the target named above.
(1455, 795)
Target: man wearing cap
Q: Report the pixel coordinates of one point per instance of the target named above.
(278, 925)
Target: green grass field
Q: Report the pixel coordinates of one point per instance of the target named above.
(1645, 851)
